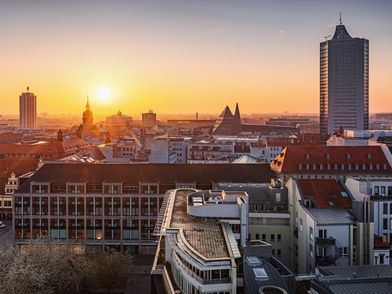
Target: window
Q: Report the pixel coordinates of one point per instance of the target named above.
(385, 224)
(376, 190)
(343, 251)
(301, 224)
(311, 250)
(278, 197)
(385, 208)
(323, 234)
(257, 236)
(382, 258)
(279, 253)
(383, 190)
(263, 237)
(272, 237)
(390, 208)
(280, 237)
(310, 233)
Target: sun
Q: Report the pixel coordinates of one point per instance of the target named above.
(103, 93)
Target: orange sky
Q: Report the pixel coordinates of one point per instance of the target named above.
(181, 58)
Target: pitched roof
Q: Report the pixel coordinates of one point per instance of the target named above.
(340, 160)
(18, 166)
(325, 193)
(132, 174)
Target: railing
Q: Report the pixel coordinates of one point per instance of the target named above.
(325, 241)
(179, 262)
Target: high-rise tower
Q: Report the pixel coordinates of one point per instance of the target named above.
(27, 110)
(344, 82)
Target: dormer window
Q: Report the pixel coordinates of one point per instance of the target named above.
(307, 166)
(314, 166)
(363, 166)
(335, 166)
(321, 166)
(371, 166)
(348, 156)
(385, 166)
(369, 156)
(342, 167)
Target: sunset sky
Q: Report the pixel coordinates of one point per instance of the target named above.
(182, 56)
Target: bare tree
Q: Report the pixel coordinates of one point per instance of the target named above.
(48, 268)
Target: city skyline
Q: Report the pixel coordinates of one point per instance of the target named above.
(181, 57)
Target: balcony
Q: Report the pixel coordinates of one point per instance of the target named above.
(325, 260)
(325, 241)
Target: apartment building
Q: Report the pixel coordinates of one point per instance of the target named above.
(328, 228)
(327, 162)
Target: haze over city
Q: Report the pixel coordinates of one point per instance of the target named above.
(182, 56)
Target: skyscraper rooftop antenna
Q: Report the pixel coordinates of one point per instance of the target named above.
(340, 18)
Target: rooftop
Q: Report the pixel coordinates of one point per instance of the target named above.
(330, 216)
(133, 174)
(326, 193)
(339, 159)
(205, 236)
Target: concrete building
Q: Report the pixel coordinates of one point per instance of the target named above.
(179, 146)
(27, 110)
(344, 83)
(379, 193)
(269, 219)
(117, 205)
(149, 119)
(199, 232)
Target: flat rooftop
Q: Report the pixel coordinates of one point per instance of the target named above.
(204, 235)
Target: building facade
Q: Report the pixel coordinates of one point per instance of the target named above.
(110, 204)
(344, 83)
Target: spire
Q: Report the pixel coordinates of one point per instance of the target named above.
(88, 103)
(340, 18)
(237, 111)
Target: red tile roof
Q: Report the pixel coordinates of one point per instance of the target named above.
(17, 166)
(325, 193)
(307, 159)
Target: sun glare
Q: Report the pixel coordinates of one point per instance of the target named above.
(104, 94)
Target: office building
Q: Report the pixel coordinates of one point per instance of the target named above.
(344, 83)
(27, 110)
(149, 119)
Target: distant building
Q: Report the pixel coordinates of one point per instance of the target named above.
(227, 123)
(88, 120)
(118, 123)
(27, 110)
(344, 83)
(149, 119)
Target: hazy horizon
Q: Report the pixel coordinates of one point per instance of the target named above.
(182, 56)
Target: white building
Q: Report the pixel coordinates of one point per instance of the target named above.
(178, 145)
(326, 230)
(199, 232)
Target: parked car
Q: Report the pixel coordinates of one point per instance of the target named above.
(2, 225)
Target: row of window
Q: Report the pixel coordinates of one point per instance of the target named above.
(341, 166)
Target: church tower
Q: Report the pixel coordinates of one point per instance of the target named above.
(87, 118)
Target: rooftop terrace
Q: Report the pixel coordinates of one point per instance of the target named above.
(206, 236)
